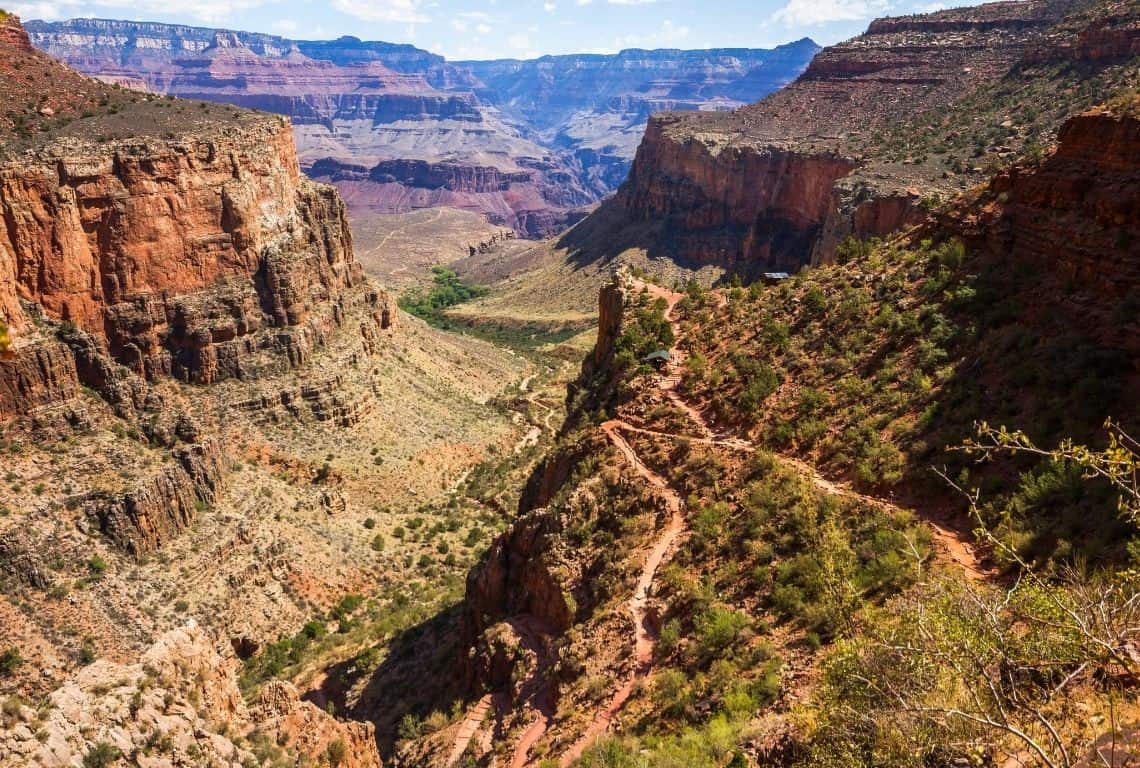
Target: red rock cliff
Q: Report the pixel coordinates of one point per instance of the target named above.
(202, 254)
(1077, 214)
(731, 202)
(865, 141)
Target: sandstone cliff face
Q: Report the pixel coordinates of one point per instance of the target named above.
(731, 204)
(202, 258)
(611, 310)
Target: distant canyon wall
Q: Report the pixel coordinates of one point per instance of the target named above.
(564, 129)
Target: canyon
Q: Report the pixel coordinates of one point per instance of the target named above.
(196, 381)
(637, 502)
(529, 144)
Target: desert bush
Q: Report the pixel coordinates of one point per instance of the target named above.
(718, 629)
(102, 755)
(336, 752)
(10, 659)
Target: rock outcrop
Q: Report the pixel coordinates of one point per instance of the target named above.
(163, 506)
(1075, 216)
(203, 255)
(1078, 213)
(612, 299)
(303, 728)
(179, 704)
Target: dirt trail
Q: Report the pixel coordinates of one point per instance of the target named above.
(645, 639)
(531, 631)
(955, 546)
(400, 231)
(468, 728)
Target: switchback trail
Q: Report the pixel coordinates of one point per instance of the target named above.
(468, 728)
(645, 634)
(954, 545)
(531, 632)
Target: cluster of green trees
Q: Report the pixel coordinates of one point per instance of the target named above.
(646, 330)
(447, 290)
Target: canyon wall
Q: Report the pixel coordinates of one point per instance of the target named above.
(202, 255)
(203, 258)
(868, 140)
(1075, 216)
(733, 204)
(563, 128)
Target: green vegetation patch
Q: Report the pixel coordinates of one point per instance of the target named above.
(447, 290)
(871, 367)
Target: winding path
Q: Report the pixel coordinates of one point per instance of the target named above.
(468, 728)
(646, 635)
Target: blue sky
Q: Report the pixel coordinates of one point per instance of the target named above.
(511, 28)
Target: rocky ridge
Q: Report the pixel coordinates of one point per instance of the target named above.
(203, 256)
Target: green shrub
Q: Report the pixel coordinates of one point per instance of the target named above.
(102, 755)
(718, 629)
(336, 752)
(762, 383)
(815, 300)
(671, 692)
(9, 660)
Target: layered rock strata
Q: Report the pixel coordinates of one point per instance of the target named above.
(564, 129)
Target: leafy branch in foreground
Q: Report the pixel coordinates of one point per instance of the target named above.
(1119, 463)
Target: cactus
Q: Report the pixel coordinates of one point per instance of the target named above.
(5, 337)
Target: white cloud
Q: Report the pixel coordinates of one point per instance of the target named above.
(400, 11)
(208, 11)
(549, 7)
(816, 12)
